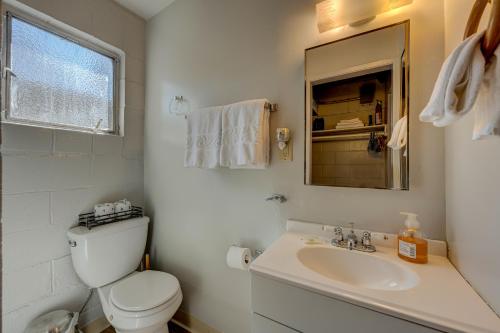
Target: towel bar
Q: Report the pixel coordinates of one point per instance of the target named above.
(176, 100)
(271, 107)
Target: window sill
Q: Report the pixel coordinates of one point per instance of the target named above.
(57, 127)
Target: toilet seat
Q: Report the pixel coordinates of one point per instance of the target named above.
(170, 307)
(144, 291)
(146, 321)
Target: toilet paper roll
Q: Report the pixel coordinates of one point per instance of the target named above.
(239, 257)
(122, 208)
(104, 209)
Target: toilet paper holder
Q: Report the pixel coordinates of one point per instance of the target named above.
(257, 253)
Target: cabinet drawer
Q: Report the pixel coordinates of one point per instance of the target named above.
(308, 312)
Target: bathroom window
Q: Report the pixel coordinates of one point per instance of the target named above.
(54, 79)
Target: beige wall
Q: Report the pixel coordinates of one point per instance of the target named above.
(217, 52)
(50, 176)
(472, 187)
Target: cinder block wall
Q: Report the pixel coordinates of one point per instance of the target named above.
(50, 176)
(348, 163)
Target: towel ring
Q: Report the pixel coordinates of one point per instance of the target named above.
(179, 106)
(491, 38)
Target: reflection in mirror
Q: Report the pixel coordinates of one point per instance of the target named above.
(356, 111)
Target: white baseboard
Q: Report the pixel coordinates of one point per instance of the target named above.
(192, 324)
(181, 318)
(96, 326)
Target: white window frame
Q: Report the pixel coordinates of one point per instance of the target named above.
(24, 13)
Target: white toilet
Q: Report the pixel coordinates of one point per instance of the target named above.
(106, 258)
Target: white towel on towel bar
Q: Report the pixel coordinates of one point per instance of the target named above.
(487, 107)
(204, 128)
(458, 84)
(245, 135)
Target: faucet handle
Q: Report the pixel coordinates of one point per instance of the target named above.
(338, 234)
(366, 238)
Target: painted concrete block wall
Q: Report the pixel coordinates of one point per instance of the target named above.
(348, 163)
(218, 52)
(472, 186)
(50, 176)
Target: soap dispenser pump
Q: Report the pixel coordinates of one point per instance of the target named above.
(412, 246)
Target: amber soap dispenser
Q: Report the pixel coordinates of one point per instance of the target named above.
(412, 246)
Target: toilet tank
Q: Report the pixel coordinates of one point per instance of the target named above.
(107, 253)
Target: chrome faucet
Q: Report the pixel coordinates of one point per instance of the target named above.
(350, 242)
(352, 239)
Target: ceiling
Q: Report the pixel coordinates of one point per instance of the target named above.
(145, 8)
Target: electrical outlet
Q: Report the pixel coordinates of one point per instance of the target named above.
(286, 154)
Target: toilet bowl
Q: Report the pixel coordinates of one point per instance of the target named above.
(105, 257)
(144, 301)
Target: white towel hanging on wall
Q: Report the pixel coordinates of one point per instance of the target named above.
(458, 84)
(487, 107)
(245, 135)
(467, 82)
(204, 128)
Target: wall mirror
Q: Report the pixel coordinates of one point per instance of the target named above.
(356, 110)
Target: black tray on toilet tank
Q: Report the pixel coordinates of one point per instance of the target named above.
(89, 220)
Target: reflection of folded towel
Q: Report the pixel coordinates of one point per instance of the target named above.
(349, 126)
(103, 209)
(350, 121)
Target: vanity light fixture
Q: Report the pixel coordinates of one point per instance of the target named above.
(336, 13)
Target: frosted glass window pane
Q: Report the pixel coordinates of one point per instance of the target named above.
(58, 81)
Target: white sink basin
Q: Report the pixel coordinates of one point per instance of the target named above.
(358, 269)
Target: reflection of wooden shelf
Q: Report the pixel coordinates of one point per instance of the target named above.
(335, 132)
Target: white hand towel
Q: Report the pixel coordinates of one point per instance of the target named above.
(457, 85)
(399, 136)
(245, 135)
(487, 107)
(204, 128)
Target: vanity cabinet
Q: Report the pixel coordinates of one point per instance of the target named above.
(280, 307)
(266, 325)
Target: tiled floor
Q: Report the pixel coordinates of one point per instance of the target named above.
(171, 326)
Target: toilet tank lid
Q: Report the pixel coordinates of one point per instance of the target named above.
(82, 232)
(145, 290)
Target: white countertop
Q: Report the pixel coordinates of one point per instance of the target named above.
(442, 299)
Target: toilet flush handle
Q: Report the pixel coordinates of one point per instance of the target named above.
(72, 243)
